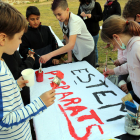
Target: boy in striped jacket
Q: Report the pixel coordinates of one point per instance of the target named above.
(14, 116)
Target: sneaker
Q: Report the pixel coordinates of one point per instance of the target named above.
(97, 65)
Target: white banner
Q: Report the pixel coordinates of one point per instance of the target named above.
(84, 109)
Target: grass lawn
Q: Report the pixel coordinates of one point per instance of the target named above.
(47, 18)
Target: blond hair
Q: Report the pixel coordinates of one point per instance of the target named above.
(11, 20)
(118, 25)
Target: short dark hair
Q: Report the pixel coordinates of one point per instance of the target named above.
(131, 9)
(59, 3)
(32, 10)
(84, 1)
(11, 20)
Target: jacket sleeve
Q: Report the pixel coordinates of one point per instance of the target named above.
(22, 64)
(118, 9)
(99, 15)
(79, 12)
(13, 117)
(23, 49)
(122, 56)
(121, 70)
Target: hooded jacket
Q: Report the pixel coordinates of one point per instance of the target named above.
(93, 22)
(113, 9)
(42, 41)
(133, 64)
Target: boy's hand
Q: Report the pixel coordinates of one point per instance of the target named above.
(48, 97)
(55, 61)
(21, 82)
(68, 61)
(31, 55)
(30, 52)
(44, 58)
(107, 72)
(117, 63)
(83, 14)
(124, 88)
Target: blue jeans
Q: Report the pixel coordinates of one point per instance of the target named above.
(96, 50)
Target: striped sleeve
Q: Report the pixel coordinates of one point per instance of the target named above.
(24, 114)
(12, 111)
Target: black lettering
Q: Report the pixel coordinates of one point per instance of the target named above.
(79, 71)
(88, 78)
(103, 93)
(121, 109)
(115, 118)
(102, 84)
(75, 82)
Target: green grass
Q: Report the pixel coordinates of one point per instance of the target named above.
(47, 18)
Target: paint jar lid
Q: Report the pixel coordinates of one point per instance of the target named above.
(60, 75)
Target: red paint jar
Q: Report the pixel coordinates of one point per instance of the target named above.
(39, 76)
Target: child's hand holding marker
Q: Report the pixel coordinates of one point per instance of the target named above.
(117, 63)
(30, 52)
(108, 72)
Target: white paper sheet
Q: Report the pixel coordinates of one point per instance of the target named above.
(58, 40)
(83, 84)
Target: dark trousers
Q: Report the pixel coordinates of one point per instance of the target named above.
(25, 94)
(90, 58)
(135, 97)
(122, 77)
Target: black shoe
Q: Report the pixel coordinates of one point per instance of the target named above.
(97, 65)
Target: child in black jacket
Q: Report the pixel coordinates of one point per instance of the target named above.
(16, 65)
(39, 38)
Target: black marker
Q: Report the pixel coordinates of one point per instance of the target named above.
(111, 59)
(34, 52)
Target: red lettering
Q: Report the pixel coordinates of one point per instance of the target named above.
(64, 94)
(52, 72)
(63, 87)
(71, 101)
(76, 109)
(72, 130)
(92, 116)
(100, 129)
(63, 82)
(50, 78)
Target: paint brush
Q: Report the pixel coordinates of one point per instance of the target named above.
(111, 59)
(132, 111)
(40, 69)
(127, 97)
(131, 108)
(57, 79)
(105, 67)
(139, 111)
(34, 52)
